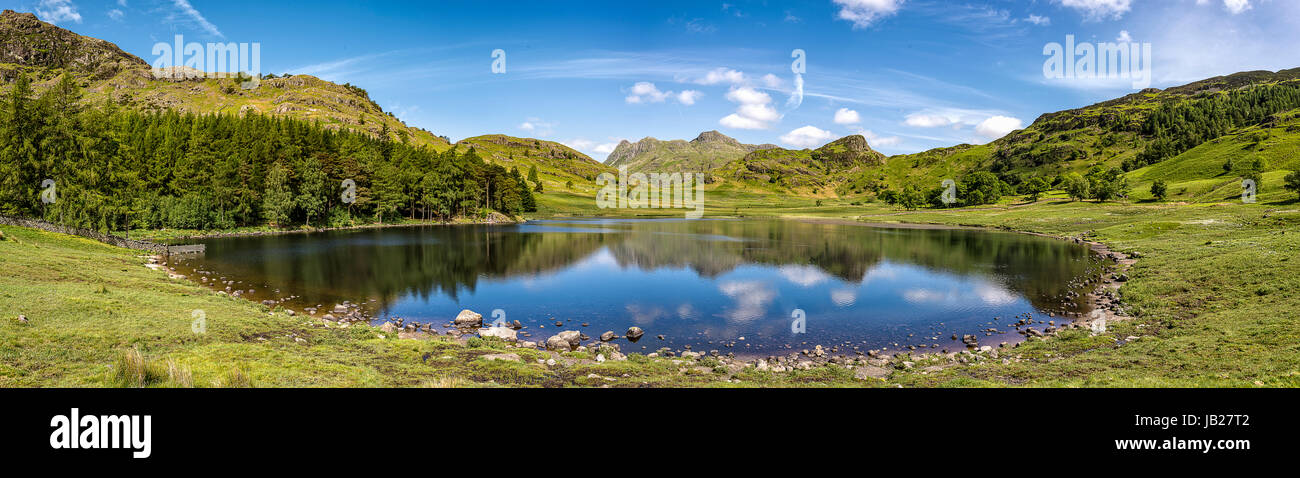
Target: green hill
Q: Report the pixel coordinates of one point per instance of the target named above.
(812, 172)
(45, 52)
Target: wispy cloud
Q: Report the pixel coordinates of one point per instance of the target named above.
(194, 16)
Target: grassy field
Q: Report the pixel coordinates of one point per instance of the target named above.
(1215, 294)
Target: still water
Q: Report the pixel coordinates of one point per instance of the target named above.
(705, 283)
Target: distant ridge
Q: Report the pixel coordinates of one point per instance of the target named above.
(707, 152)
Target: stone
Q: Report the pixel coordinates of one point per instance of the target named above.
(608, 336)
(388, 327)
(566, 341)
(22, 319)
(600, 358)
(634, 334)
(503, 333)
(290, 312)
(340, 309)
(469, 318)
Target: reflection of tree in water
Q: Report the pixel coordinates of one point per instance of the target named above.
(424, 261)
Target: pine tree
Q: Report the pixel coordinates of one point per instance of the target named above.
(277, 203)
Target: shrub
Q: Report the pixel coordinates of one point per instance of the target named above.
(1159, 190)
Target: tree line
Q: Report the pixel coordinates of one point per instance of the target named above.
(1177, 126)
(116, 169)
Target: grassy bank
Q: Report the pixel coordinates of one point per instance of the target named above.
(1214, 294)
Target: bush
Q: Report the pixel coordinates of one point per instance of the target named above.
(1292, 184)
(1159, 190)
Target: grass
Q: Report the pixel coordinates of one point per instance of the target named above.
(1214, 296)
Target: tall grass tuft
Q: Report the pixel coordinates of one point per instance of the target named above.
(132, 370)
(237, 377)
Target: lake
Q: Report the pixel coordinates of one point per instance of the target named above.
(749, 287)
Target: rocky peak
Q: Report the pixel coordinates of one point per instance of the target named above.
(26, 40)
(715, 137)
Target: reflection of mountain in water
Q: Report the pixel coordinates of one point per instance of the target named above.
(386, 264)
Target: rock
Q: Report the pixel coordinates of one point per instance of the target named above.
(22, 319)
(634, 334)
(970, 340)
(268, 303)
(340, 309)
(502, 357)
(608, 336)
(690, 355)
(388, 327)
(517, 325)
(468, 318)
(503, 333)
(600, 358)
(290, 312)
(566, 341)
(762, 366)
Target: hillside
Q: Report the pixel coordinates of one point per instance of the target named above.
(814, 172)
(45, 52)
(568, 177)
(1155, 129)
(710, 150)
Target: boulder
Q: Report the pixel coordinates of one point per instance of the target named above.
(503, 333)
(634, 333)
(340, 309)
(608, 336)
(469, 318)
(870, 372)
(388, 327)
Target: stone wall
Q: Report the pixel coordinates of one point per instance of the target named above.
(152, 247)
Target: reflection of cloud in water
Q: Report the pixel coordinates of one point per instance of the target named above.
(987, 293)
(686, 311)
(752, 299)
(883, 271)
(994, 295)
(804, 276)
(645, 315)
(844, 297)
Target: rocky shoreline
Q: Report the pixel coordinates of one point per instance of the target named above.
(495, 219)
(1103, 299)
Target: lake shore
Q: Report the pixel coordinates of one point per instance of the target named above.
(1194, 295)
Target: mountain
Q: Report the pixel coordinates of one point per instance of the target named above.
(45, 52)
(803, 171)
(707, 152)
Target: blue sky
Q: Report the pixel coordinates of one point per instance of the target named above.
(909, 74)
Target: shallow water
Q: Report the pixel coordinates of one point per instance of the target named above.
(706, 283)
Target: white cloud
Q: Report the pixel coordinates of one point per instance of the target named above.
(1124, 37)
(863, 13)
(807, 137)
(1041, 21)
(1100, 9)
(646, 92)
(722, 76)
(538, 127)
(847, 116)
(56, 11)
(877, 141)
(688, 97)
(1236, 6)
(116, 14)
(194, 15)
(590, 147)
(924, 120)
(755, 110)
(998, 126)
(772, 81)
